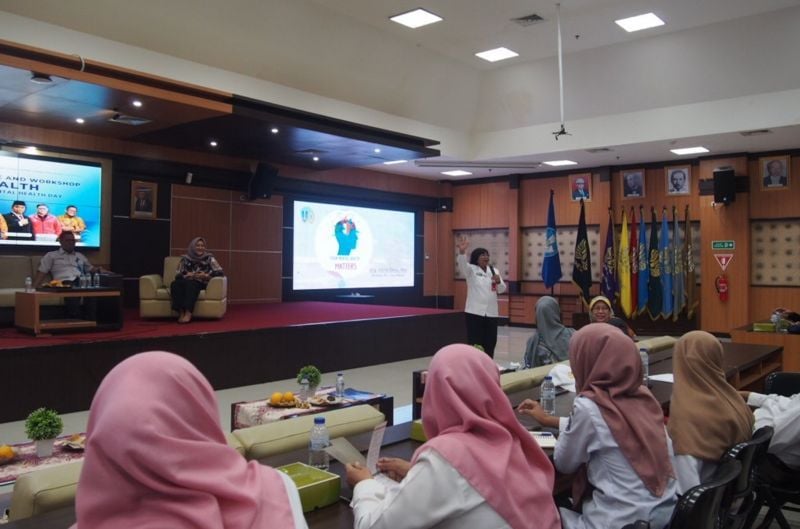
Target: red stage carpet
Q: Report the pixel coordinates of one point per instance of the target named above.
(238, 318)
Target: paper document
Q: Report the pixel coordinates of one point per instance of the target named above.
(664, 377)
(545, 439)
(344, 452)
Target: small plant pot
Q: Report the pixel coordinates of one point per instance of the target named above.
(44, 447)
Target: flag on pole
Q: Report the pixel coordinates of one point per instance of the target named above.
(551, 266)
(678, 276)
(665, 253)
(624, 268)
(644, 264)
(634, 265)
(582, 267)
(691, 284)
(654, 282)
(608, 286)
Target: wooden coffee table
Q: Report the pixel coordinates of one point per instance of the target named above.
(27, 310)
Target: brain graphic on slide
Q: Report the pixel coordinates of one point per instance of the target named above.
(343, 244)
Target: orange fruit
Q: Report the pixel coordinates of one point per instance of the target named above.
(6, 452)
(276, 397)
(288, 397)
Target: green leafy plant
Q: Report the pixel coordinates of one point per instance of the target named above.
(478, 347)
(310, 373)
(43, 423)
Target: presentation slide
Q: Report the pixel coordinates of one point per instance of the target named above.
(41, 197)
(348, 247)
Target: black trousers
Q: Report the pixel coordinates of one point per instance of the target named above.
(184, 293)
(88, 310)
(482, 330)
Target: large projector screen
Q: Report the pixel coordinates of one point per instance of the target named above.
(348, 247)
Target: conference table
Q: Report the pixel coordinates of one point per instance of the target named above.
(745, 364)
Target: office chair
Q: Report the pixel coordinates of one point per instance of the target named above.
(740, 498)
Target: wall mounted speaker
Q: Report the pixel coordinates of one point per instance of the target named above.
(262, 182)
(724, 186)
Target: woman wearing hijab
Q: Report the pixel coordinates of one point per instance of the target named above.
(550, 342)
(615, 437)
(479, 468)
(483, 285)
(156, 457)
(707, 415)
(195, 270)
(600, 311)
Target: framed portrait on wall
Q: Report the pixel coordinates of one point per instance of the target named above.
(632, 183)
(678, 180)
(144, 199)
(580, 187)
(774, 172)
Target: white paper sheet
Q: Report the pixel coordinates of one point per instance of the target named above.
(343, 451)
(545, 439)
(375, 448)
(664, 377)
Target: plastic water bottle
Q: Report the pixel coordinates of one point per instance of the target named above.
(548, 396)
(645, 366)
(96, 280)
(28, 284)
(304, 389)
(84, 281)
(340, 385)
(318, 441)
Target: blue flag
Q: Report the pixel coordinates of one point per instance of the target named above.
(665, 253)
(644, 264)
(654, 304)
(678, 276)
(608, 284)
(551, 266)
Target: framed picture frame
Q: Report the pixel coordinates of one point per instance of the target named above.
(678, 180)
(774, 172)
(144, 199)
(580, 187)
(632, 183)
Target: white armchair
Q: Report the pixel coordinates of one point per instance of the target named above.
(155, 300)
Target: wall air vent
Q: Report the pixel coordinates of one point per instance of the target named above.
(759, 132)
(128, 120)
(528, 20)
(599, 149)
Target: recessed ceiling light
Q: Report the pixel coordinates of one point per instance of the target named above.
(497, 54)
(394, 162)
(640, 22)
(136, 103)
(376, 150)
(315, 158)
(559, 163)
(213, 143)
(274, 130)
(416, 18)
(40, 78)
(30, 150)
(457, 172)
(689, 150)
(80, 121)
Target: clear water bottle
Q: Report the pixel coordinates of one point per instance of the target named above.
(645, 366)
(96, 280)
(304, 389)
(548, 396)
(775, 319)
(318, 441)
(84, 281)
(28, 284)
(340, 385)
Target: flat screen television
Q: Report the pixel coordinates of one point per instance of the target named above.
(336, 246)
(52, 185)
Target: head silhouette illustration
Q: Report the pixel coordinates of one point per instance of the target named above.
(346, 235)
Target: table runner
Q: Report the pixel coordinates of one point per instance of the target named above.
(27, 461)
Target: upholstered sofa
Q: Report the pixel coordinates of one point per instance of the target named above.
(155, 300)
(13, 271)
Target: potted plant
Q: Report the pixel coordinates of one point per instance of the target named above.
(43, 426)
(312, 375)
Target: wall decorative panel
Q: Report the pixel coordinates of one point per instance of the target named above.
(496, 241)
(775, 252)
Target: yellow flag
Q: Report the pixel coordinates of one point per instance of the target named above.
(624, 269)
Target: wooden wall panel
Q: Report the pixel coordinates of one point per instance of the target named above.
(774, 204)
(764, 300)
(534, 198)
(656, 194)
(445, 254)
(496, 198)
(466, 207)
(255, 277)
(257, 226)
(200, 217)
(730, 222)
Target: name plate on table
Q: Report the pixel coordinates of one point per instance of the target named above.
(317, 487)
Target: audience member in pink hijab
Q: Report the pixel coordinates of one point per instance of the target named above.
(479, 469)
(156, 457)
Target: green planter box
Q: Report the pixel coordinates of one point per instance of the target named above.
(417, 432)
(318, 488)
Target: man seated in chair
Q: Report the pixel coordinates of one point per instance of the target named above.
(66, 264)
(782, 466)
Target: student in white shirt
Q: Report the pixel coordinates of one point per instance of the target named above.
(707, 415)
(483, 285)
(480, 468)
(614, 440)
(783, 414)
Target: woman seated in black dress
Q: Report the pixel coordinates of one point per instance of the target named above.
(194, 272)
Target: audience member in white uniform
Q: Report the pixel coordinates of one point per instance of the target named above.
(707, 415)
(483, 285)
(783, 414)
(480, 468)
(156, 456)
(549, 343)
(614, 439)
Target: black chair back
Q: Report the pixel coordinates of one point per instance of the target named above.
(786, 384)
(700, 507)
(740, 496)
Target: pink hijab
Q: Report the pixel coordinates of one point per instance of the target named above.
(608, 370)
(156, 456)
(470, 423)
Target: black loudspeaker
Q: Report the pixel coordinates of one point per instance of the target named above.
(724, 186)
(262, 182)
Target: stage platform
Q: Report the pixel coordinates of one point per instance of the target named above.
(251, 345)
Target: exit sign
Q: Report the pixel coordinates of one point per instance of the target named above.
(723, 245)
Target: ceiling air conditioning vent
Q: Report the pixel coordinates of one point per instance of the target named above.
(129, 120)
(759, 132)
(528, 20)
(599, 149)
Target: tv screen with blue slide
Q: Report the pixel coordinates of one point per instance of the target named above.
(55, 184)
(338, 246)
